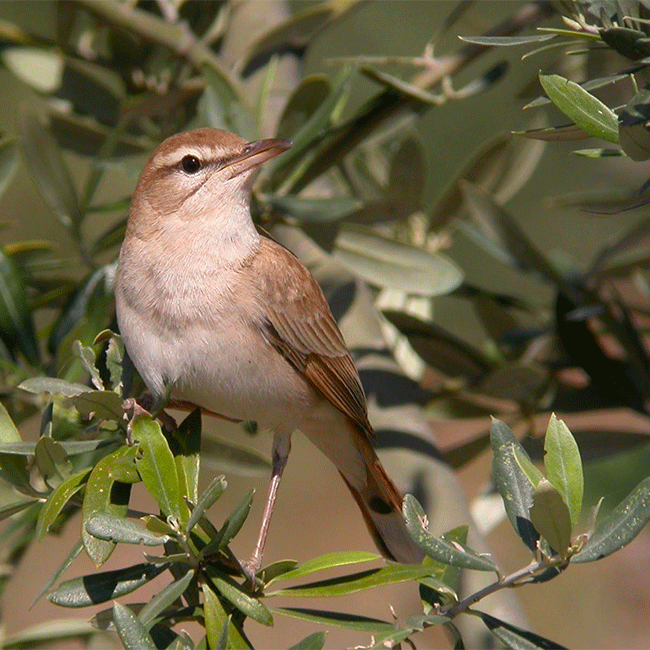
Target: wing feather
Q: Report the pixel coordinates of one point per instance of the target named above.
(300, 325)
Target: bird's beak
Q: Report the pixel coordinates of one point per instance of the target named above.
(255, 153)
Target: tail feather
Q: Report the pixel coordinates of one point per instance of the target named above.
(349, 448)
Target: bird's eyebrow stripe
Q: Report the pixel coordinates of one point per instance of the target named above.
(204, 154)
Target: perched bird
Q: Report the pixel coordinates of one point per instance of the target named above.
(215, 313)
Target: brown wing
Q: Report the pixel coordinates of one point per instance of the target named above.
(301, 327)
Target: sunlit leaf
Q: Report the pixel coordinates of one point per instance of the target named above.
(101, 587)
(104, 495)
(209, 497)
(564, 466)
(588, 112)
(325, 562)
(231, 526)
(53, 386)
(120, 530)
(511, 482)
(156, 465)
(216, 618)
(514, 637)
(103, 404)
(633, 133)
(164, 599)
(550, 516)
(506, 41)
(58, 499)
(619, 528)
(247, 605)
(40, 68)
(355, 582)
(315, 641)
(186, 448)
(49, 634)
(446, 552)
(133, 634)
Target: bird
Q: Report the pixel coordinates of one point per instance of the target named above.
(215, 313)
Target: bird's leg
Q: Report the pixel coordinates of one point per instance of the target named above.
(281, 449)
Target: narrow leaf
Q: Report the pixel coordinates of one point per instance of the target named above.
(506, 41)
(387, 263)
(57, 500)
(133, 634)
(119, 530)
(511, 482)
(231, 526)
(63, 567)
(247, 605)
(8, 162)
(186, 448)
(514, 637)
(356, 582)
(437, 548)
(527, 466)
(564, 466)
(335, 619)
(101, 587)
(104, 495)
(588, 112)
(103, 404)
(209, 497)
(324, 562)
(550, 516)
(315, 641)
(216, 618)
(164, 599)
(53, 386)
(156, 465)
(619, 528)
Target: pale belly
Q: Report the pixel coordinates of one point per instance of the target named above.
(228, 368)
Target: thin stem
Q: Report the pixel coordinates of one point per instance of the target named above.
(516, 579)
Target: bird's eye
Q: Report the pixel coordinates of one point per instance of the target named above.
(190, 164)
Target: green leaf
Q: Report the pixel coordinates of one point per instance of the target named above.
(50, 634)
(156, 465)
(599, 153)
(102, 404)
(387, 263)
(247, 605)
(119, 530)
(315, 641)
(8, 161)
(564, 466)
(164, 599)
(324, 562)
(317, 210)
(88, 359)
(12, 470)
(230, 527)
(506, 41)
(356, 582)
(114, 361)
(633, 133)
(588, 112)
(222, 107)
(620, 527)
(207, 499)
(550, 516)
(8, 430)
(57, 500)
(49, 171)
(133, 634)
(186, 450)
(527, 466)
(437, 548)
(39, 67)
(16, 322)
(223, 456)
(301, 105)
(513, 485)
(215, 619)
(104, 495)
(335, 619)
(101, 587)
(53, 386)
(514, 637)
(51, 460)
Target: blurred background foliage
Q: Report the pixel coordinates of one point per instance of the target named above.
(474, 272)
